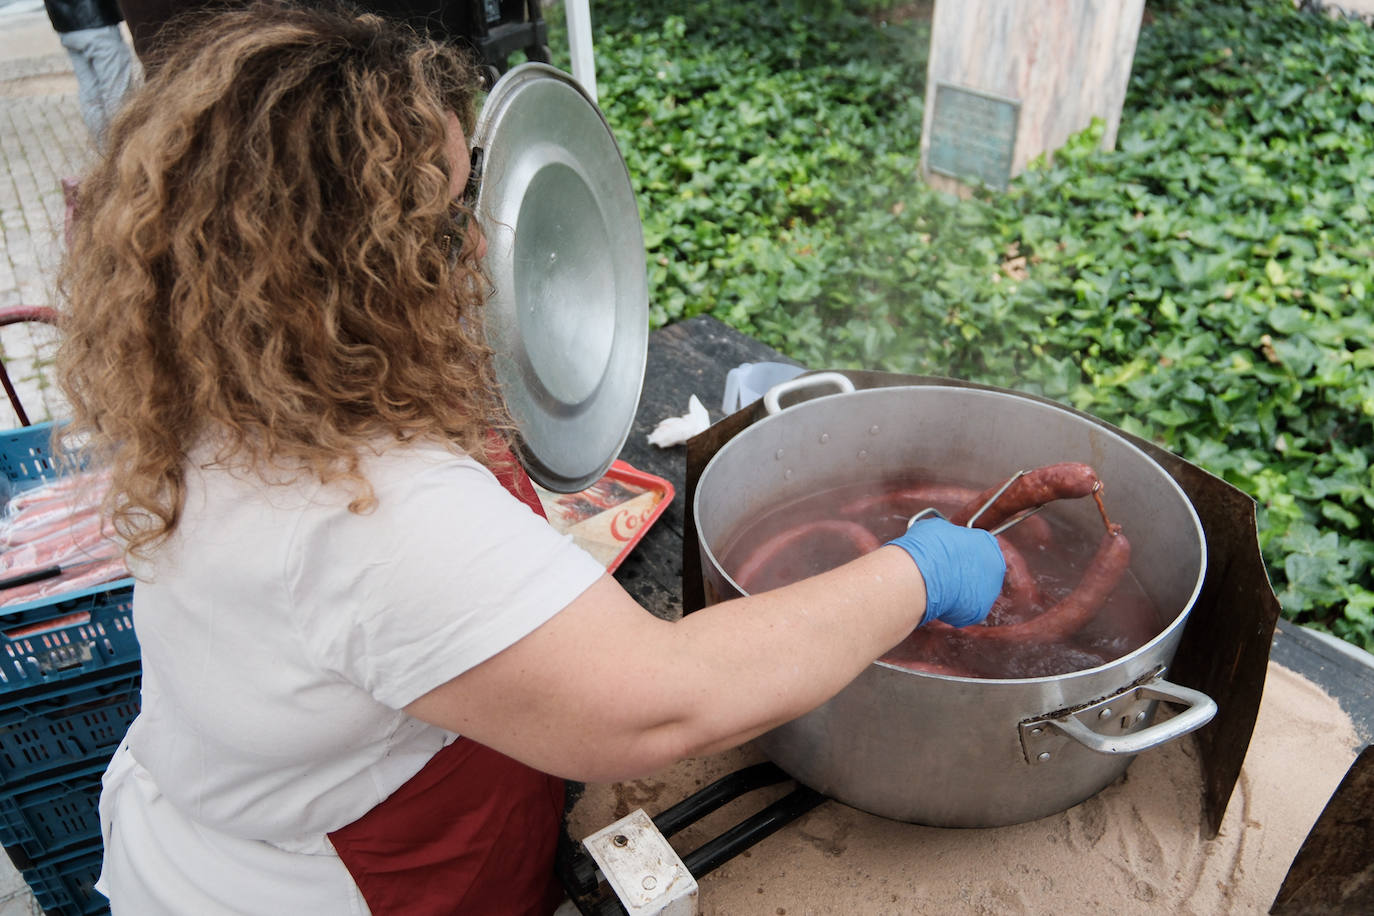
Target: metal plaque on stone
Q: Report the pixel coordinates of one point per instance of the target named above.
(972, 135)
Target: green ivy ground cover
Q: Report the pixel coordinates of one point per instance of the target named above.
(1204, 285)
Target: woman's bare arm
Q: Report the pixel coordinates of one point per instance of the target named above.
(606, 691)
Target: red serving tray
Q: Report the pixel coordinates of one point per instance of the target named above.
(611, 516)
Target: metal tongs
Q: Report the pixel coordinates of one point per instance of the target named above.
(1016, 519)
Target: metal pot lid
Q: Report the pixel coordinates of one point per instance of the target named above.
(569, 313)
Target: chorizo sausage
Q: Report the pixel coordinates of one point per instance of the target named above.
(37, 524)
(928, 652)
(907, 501)
(88, 487)
(87, 538)
(1069, 615)
(83, 575)
(775, 547)
(94, 572)
(910, 500)
(1020, 595)
(928, 667)
(1066, 480)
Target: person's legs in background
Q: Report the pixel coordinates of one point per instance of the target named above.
(104, 73)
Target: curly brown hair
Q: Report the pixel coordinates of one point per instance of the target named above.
(256, 262)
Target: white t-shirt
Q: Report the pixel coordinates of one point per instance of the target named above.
(281, 636)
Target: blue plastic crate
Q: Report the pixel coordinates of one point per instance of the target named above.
(69, 679)
(27, 457)
(66, 637)
(65, 885)
(70, 722)
(50, 814)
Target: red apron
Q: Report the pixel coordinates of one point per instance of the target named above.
(472, 833)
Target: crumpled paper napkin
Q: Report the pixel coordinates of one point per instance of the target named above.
(677, 430)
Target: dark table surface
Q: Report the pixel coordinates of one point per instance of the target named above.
(694, 356)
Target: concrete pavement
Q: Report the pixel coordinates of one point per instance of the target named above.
(42, 139)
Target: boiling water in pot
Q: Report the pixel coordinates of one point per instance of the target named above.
(832, 526)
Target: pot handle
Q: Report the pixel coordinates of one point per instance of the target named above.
(770, 398)
(1116, 715)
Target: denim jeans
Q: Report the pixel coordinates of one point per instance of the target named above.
(104, 71)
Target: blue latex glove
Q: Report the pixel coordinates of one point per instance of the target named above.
(963, 569)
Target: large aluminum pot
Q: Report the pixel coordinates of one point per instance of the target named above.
(955, 751)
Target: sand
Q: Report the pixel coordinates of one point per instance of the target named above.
(1135, 848)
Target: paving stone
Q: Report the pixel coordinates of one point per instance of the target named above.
(42, 139)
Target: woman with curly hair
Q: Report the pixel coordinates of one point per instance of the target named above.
(272, 338)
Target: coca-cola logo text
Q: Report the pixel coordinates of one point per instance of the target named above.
(625, 523)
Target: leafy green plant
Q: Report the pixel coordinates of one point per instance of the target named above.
(1204, 285)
